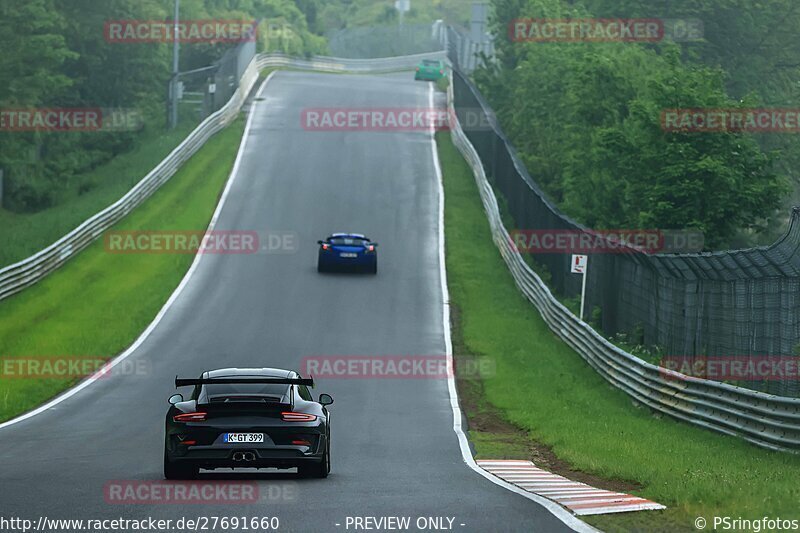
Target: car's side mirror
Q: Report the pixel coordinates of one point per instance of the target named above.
(374, 244)
(325, 399)
(320, 242)
(175, 398)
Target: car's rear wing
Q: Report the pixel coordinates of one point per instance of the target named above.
(186, 382)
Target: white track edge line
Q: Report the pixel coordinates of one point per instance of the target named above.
(163, 311)
(555, 509)
(611, 510)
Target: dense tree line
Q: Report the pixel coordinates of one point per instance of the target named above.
(56, 55)
(586, 117)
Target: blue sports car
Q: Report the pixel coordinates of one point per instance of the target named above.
(351, 251)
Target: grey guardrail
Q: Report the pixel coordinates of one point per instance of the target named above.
(18, 276)
(763, 419)
(336, 64)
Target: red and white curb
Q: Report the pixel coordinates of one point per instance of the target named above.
(579, 498)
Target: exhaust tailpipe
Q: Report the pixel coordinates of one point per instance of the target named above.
(244, 456)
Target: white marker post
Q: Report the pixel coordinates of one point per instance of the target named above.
(579, 264)
(402, 7)
(212, 92)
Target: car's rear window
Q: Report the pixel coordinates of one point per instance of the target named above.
(245, 389)
(430, 63)
(346, 241)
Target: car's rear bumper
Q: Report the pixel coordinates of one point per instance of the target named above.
(207, 448)
(262, 458)
(347, 263)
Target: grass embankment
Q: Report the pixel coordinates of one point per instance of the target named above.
(24, 234)
(546, 404)
(98, 303)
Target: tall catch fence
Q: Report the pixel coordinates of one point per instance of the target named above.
(465, 53)
(763, 419)
(721, 306)
(230, 70)
(369, 42)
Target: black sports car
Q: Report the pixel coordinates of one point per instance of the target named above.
(247, 417)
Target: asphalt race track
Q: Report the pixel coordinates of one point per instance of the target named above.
(394, 451)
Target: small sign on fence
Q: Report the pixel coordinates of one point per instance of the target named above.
(579, 265)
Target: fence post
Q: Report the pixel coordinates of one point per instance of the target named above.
(1, 188)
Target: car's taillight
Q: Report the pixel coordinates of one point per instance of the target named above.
(371, 248)
(326, 247)
(190, 417)
(441, 72)
(289, 416)
(417, 69)
(301, 442)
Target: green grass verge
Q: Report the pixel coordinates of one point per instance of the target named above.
(98, 303)
(24, 234)
(545, 389)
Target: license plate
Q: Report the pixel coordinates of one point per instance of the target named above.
(243, 437)
(346, 254)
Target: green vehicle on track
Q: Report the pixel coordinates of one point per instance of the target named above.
(430, 70)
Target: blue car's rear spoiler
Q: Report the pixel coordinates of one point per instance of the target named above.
(185, 382)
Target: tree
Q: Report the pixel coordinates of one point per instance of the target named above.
(586, 121)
